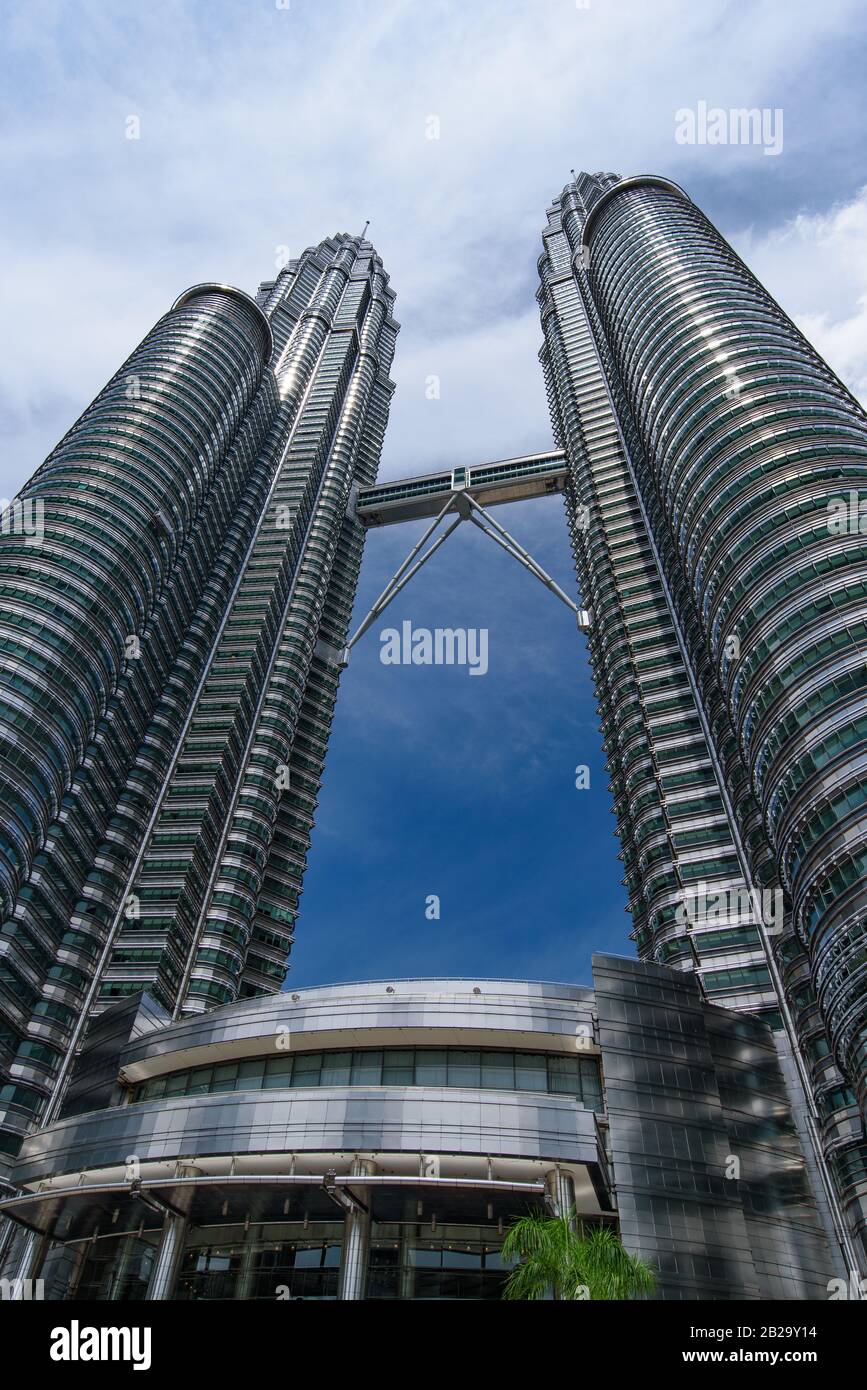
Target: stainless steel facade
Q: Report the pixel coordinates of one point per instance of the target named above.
(750, 440)
(711, 451)
(170, 649)
(710, 1173)
(399, 1190)
(169, 659)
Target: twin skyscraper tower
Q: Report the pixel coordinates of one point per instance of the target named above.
(172, 635)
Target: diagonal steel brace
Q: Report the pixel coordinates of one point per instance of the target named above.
(466, 507)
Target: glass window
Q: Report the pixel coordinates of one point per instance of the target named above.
(465, 1067)
(591, 1084)
(531, 1071)
(498, 1070)
(311, 1258)
(225, 1077)
(200, 1081)
(421, 1256)
(278, 1072)
(430, 1067)
(494, 1259)
(251, 1074)
(367, 1068)
(470, 1068)
(457, 1258)
(336, 1068)
(306, 1069)
(564, 1077)
(398, 1067)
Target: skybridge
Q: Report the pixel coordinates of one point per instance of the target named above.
(507, 480)
(462, 494)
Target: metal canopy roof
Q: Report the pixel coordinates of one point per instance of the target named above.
(110, 1209)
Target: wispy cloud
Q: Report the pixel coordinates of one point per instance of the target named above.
(816, 266)
(266, 127)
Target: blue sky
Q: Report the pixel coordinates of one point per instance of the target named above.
(265, 127)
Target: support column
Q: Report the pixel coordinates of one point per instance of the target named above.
(560, 1196)
(78, 1267)
(164, 1272)
(30, 1263)
(560, 1190)
(168, 1257)
(356, 1243)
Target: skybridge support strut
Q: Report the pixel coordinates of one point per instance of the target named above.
(514, 548)
(403, 575)
(466, 509)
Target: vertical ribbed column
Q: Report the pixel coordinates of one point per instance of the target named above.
(140, 502)
(675, 835)
(217, 878)
(757, 452)
(560, 1190)
(111, 507)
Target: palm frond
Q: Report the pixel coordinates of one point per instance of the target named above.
(554, 1259)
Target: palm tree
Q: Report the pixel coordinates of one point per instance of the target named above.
(554, 1257)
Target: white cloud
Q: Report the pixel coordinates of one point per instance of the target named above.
(264, 127)
(491, 398)
(816, 267)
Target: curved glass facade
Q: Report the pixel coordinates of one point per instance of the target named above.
(755, 450)
(169, 658)
(485, 1069)
(291, 1260)
(120, 495)
(673, 824)
(393, 1170)
(715, 467)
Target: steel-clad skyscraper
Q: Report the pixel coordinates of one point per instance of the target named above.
(173, 628)
(712, 456)
(169, 638)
